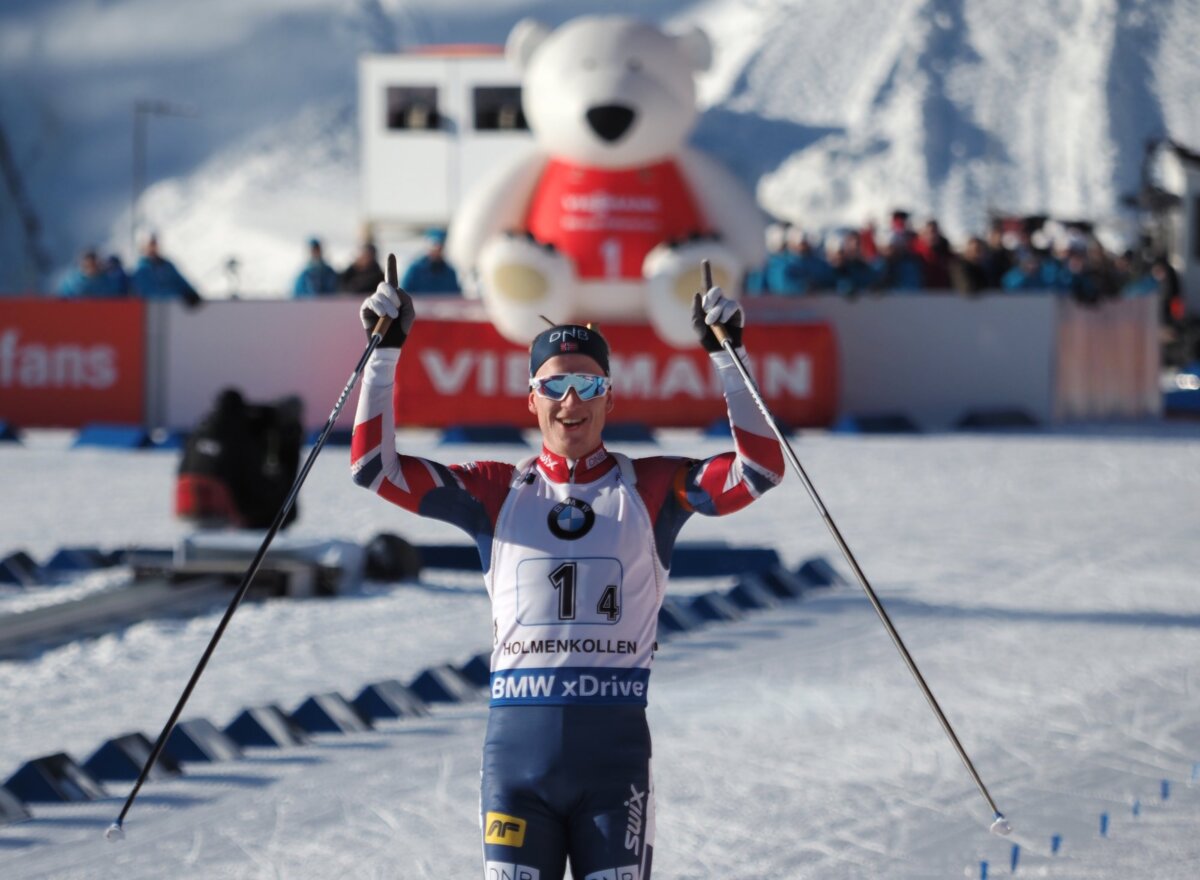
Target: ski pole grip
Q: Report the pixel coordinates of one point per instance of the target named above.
(381, 326)
(717, 329)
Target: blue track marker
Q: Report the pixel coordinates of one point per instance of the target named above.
(983, 871)
(1055, 843)
(1137, 808)
(1166, 789)
(1104, 824)
(1016, 857)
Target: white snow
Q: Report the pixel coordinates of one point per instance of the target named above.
(1045, 584)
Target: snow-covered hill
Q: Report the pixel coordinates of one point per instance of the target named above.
(835, 111)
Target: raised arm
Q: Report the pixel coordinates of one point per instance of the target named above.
(469, 495)
(729, 481)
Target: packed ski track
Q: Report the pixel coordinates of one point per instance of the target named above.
(1045, 584)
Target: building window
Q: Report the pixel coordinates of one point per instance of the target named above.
(498, 108)
(413, 108)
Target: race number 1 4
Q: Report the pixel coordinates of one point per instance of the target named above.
(582, 590)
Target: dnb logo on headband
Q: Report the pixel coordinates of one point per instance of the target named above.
(568, 339)
(571, 519)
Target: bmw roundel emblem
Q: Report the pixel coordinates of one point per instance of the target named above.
(571, 519)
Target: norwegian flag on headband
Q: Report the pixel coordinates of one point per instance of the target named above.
(569, 346)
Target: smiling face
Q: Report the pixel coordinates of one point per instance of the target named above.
(570, 427)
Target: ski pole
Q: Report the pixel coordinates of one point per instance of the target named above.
(116, 831)
(999, 825)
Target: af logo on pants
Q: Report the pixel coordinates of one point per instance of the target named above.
(632, 872)
(504, 830)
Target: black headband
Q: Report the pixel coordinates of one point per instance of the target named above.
(568, 339)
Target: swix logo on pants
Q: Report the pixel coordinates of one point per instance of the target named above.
(634, 820)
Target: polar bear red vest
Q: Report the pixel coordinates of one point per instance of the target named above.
(609, 214)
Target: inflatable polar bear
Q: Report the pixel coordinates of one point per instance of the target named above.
(610, 213)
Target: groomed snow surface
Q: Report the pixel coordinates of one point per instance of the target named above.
(1046, 584)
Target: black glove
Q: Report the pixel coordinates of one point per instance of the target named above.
(716, 308)
(397, 305)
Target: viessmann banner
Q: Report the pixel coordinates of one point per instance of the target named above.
(66, 363)
(457, 372)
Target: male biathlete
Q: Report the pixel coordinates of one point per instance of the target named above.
(576, 547)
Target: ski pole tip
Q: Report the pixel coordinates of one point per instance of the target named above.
(114, 833)
(1000, 826)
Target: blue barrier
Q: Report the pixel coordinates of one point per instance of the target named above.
(784, 584)
(19, 569)
(168, 439)
(1181, 402)
(875, 423)
(628, 432)
(478, 670)
(265, 726)
(443, 684)
(710, 559)
(54, 779)
(389, 699)
(337, 437)
(113, 436)
(509, 434)
(675, 617)
(72, 559)
(329, 713)
(8, 432)
(694, 559)
(817, 572)
(199, 740)
(719, 428)
(121, 760)
(11, 808)
(457, 557)
(714, 606)
(752, 593)
(992, 419)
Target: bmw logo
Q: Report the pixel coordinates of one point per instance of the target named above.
(571, 519)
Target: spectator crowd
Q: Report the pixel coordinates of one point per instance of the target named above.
(156, 277)
(1015, 256)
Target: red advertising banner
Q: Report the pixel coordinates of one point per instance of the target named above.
(465, 373)
(64, 363)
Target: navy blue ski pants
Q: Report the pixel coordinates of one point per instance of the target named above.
(567, 783)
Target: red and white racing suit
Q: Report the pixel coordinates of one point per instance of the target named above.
(575, 556)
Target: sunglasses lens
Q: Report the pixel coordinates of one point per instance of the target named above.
(556, 387)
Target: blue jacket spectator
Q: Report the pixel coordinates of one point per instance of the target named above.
(430, 273)
(897, 268)
(157, 278)
(92, 280)
(317, 278)
(1029, 274)
(116, 272)
(850, 273)
(1074, 279)
(756, 278)
(799, 269)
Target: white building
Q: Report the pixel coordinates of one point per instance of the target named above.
(432, 122)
